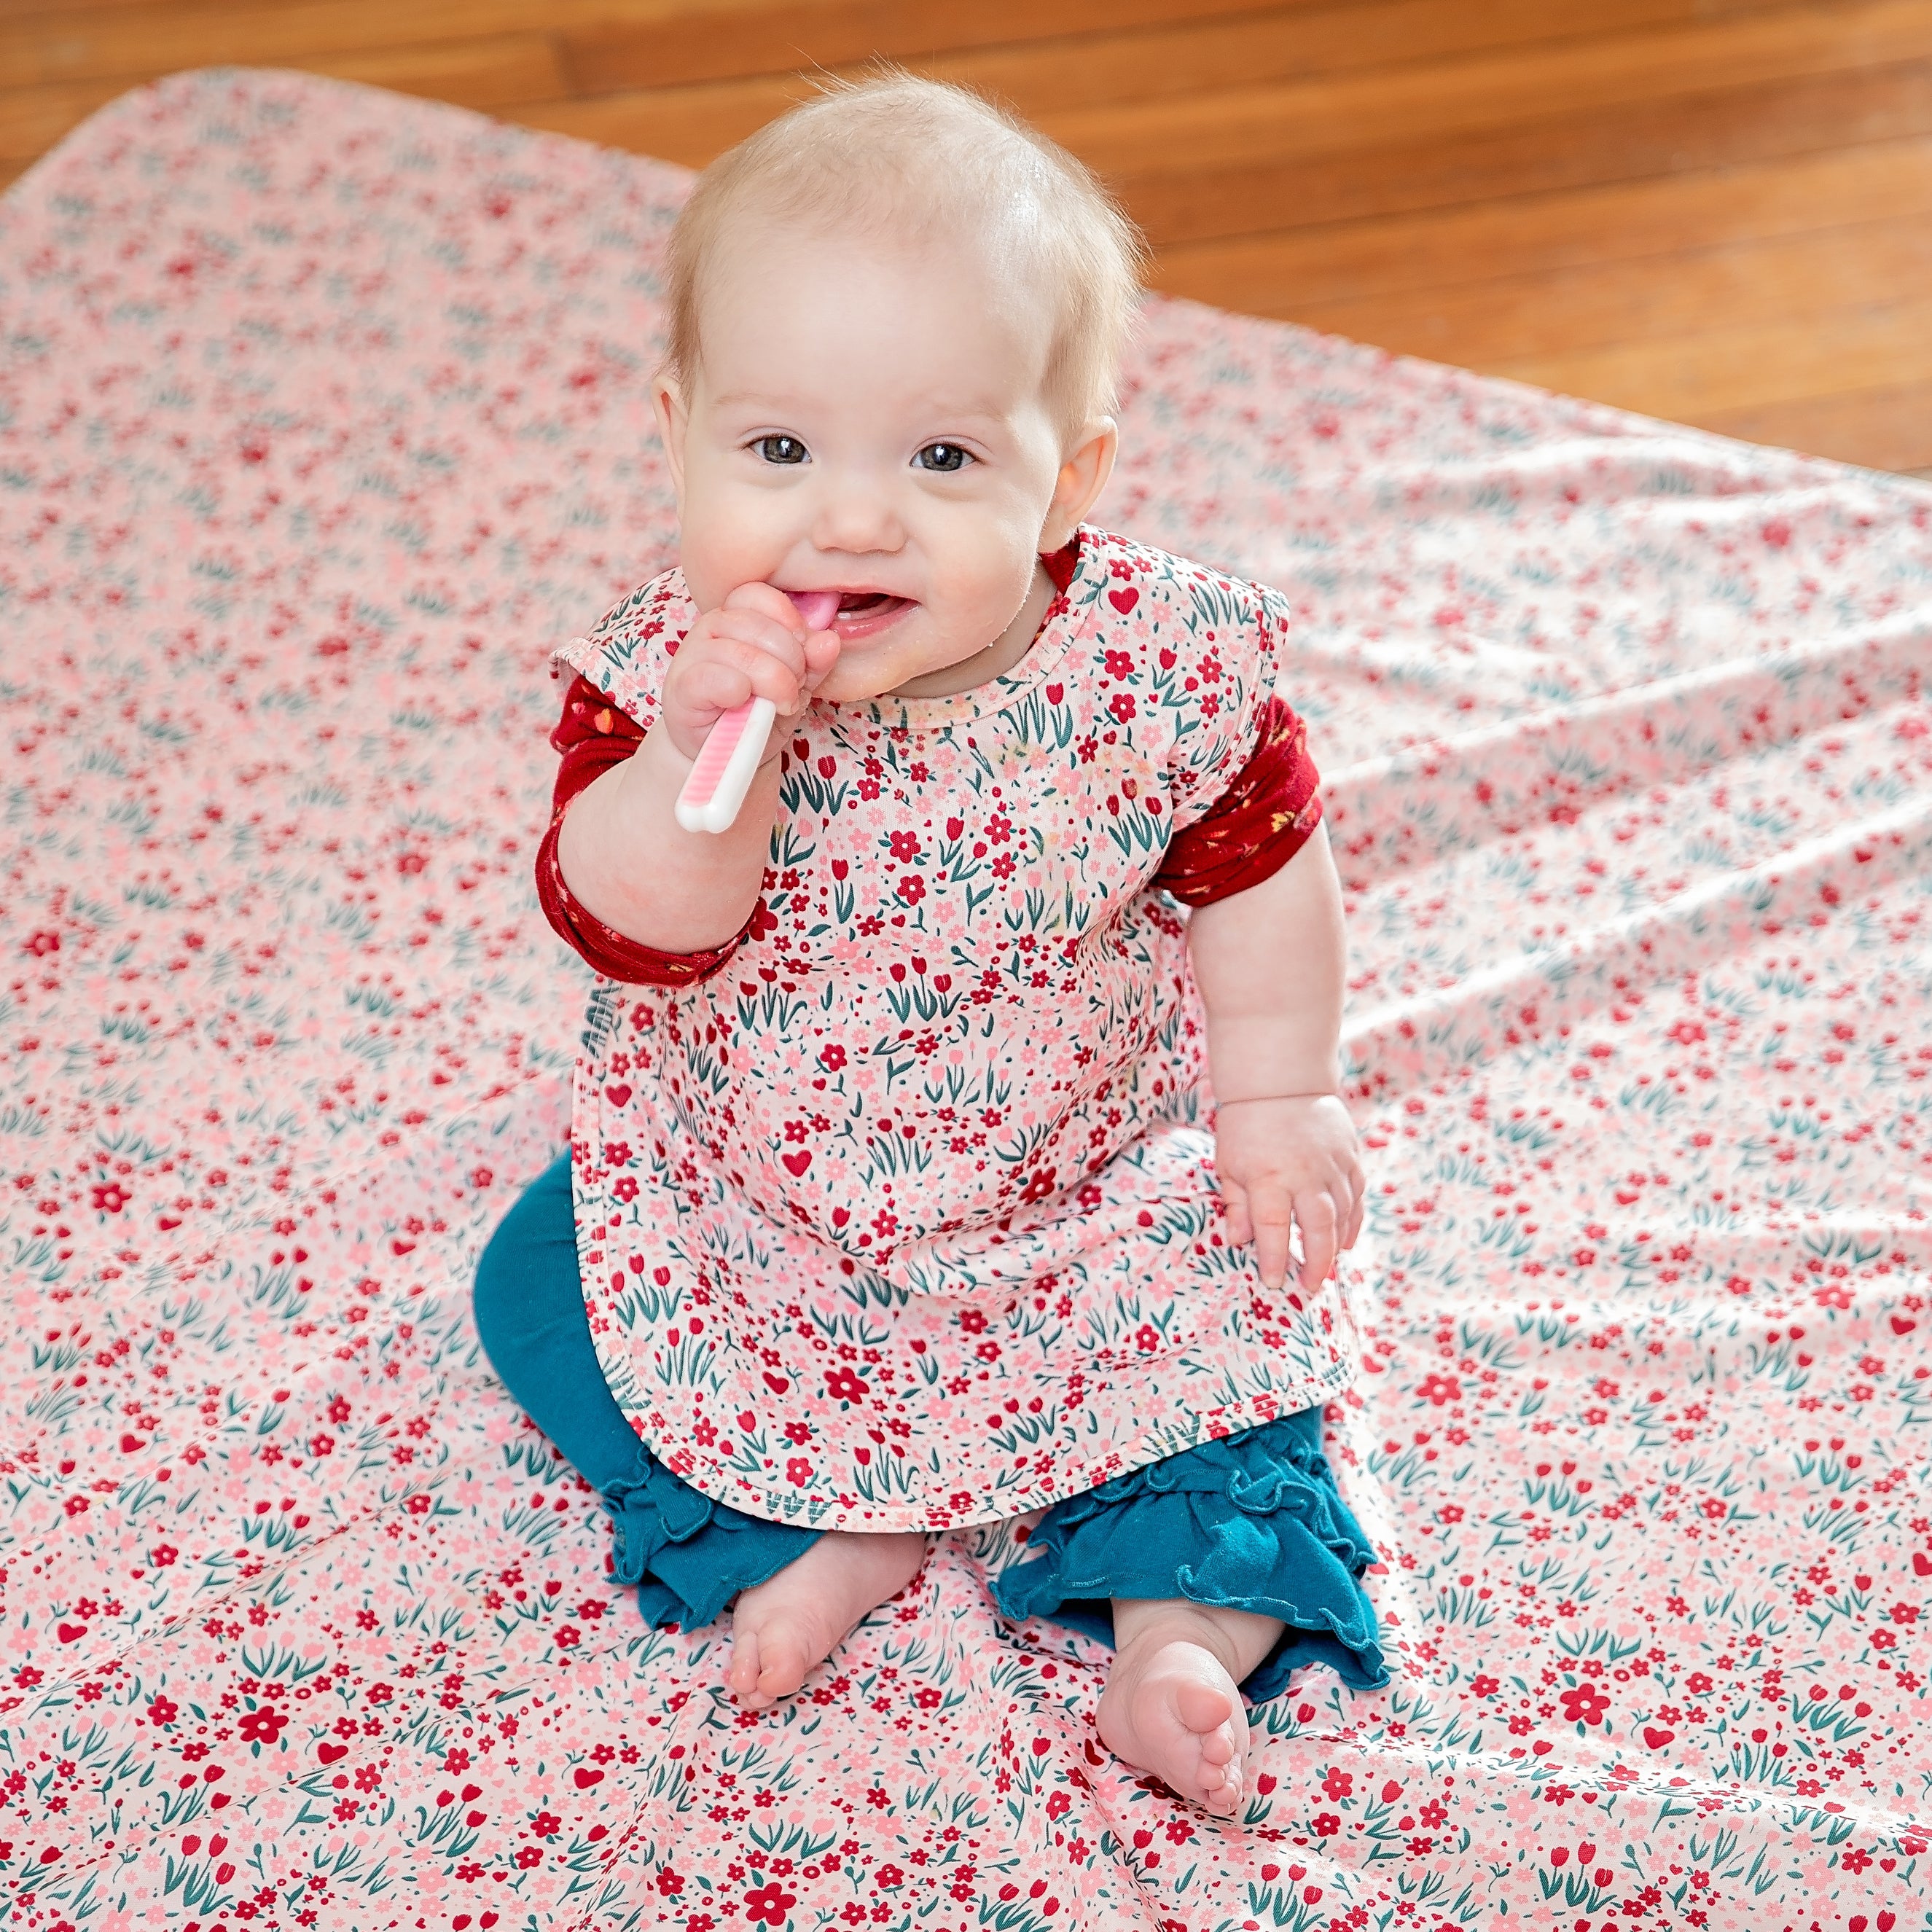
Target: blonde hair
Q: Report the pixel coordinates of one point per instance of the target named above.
(897, 152)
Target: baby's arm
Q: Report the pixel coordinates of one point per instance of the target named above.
(1271, 963)
(621, 850)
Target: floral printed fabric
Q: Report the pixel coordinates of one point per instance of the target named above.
(323, 421)
(904, 1220)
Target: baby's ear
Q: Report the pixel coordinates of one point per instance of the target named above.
(674, 416)
(1083, 475)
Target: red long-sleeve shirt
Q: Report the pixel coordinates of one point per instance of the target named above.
(1259, 823)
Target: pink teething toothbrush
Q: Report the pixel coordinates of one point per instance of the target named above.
(722, 775)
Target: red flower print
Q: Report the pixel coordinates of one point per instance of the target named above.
(261, 1726)
(1119, 665)
(843, 1385)
(905, 846)
(1585, 1705)
(912, 888)
(1325, 1824)
(40, 944)
(162, 1711)
(770, 1905)
(1439, 1389)
(1121, 704)
(110, 1197)
(798, 1470)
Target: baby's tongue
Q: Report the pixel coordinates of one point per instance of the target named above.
(817, 608)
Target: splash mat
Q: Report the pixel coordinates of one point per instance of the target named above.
(322, 420)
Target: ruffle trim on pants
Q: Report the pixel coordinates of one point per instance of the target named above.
(1251, 1522)
(688, 1556)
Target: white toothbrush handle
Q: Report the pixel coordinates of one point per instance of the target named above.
(711, 796)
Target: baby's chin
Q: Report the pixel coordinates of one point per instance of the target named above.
(861, 676)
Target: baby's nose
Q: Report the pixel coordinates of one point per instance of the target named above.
(858, 517)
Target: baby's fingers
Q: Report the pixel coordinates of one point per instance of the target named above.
(1272, 1213)
(1315, 1212)
(1240, 1230)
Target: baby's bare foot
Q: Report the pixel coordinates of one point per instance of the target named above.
(784, 1627)
(1171, 1707)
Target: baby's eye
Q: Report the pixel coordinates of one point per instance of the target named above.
(942, 456)
(780, 448)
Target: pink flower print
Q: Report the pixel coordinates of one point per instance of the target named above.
(1585, 1705)
(770, 1905)
(263, 1727)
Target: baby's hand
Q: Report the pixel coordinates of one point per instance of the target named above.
(754, 645)
(1297, 1160)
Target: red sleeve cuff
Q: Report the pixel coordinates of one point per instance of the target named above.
(1259, 823)
(592, 735)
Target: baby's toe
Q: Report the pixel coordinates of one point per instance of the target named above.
(1203, 1708)
(782, 1665)
(1218, 1748)
(743, 1676)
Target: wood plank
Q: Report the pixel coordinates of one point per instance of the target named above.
(1888, 428)
(1286, 121)
(1110, 60)
(77, 43)
(1683, 134)
(691, 125)
(1492, 324)
(1749, 365)
(33, 119)
(606, 56)
(1278, 274)
(485, 74)
(482, 74)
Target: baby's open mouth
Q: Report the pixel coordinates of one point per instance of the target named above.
(863, 612)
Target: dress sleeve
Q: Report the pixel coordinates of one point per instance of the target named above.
(592, 736)
(1243, 785)
(1257, 825)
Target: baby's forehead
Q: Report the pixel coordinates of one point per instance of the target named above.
(779, 274)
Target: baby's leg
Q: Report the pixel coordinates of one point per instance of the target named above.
(1170, 1706)
(784, 1626)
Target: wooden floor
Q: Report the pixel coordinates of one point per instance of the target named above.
(1719, 210)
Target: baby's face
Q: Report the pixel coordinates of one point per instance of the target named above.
(868, 417)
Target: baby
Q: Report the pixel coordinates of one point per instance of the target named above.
(893, 1203)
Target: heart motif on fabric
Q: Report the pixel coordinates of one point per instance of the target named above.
(1655, 1739)
(586, 1775)
(129, 1443)
(1123, 600)
(796, 1163)
(618, 1094)
(67, 1632)
(776, 1384)
(328, 1753)
(1903, 1324)
(1921, 1564)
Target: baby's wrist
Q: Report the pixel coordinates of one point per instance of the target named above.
(1254, 1099)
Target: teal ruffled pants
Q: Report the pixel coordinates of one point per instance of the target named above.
(1252, 1521)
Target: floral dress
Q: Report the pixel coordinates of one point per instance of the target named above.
(899, 1211)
